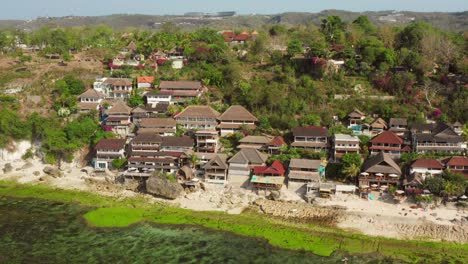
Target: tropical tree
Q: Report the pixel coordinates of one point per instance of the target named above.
(351, 171)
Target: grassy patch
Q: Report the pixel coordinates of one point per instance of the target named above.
(112, 212)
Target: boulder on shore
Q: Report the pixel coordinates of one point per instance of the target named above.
(163, 187)
(54, 172)
(7, 168)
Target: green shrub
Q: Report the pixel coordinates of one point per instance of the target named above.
(29, 154)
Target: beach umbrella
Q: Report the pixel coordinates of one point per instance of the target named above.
(379, 174)
(393, 175)
(463, 197)
(374, 185)
(365, 186)
(400, 192)
(364, 173)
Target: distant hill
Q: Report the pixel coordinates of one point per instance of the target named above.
(448, 21)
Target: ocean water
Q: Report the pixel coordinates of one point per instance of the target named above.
(39, 231)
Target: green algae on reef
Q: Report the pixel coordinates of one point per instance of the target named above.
(323, 241)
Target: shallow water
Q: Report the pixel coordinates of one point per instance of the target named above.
(39, 231)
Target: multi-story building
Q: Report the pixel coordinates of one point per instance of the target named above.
(311, 137)
(234, 119)
(343, 144)
(108, 150)
(90, 100)
(378, 171)
(159, 126)
(305, 170)
(181, 91)
(118, 119)
(436, 138)
(268, 177)
(206, 140)
(197, 117)
(387, 142)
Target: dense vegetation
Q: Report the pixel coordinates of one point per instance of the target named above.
(285, 76)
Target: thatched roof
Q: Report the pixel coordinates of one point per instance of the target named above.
(382, 163)
(237, 112)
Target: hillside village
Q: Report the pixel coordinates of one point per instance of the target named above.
(157, 116)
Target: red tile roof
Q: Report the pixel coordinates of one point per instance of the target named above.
(387, 137)
(457, 161)
(427, 163)
(277, 141)
(145, 79)
(276, 168)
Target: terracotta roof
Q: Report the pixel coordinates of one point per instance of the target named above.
(242, 37)
(427, 163)
(119, 108)
(145, 79)
(305, 163)
(110, 144)
(382, 163)
(398, 121)
(180, 85)
(276, 168)
(157, 122)
(91, 93)
(356, 113)
(457, 124)
(250, 156)
(457, 161)
(183, 141)
(198, 111)
(119, 81)
(277, 141)
(237, 112)
(310, 131)
(387, 137)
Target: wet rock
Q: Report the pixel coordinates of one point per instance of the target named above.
(36, 173)
(163, 187)
(54, 172)
(27, 165)
(7, 168)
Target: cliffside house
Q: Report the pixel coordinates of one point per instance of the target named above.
(181, 91)
(436, 138)
(118, 119)
(305, 170)
(155, 98)
(234, 119)
(198, 117)
(427, 168)
(216, 170)
(158, 126)
(142, 164)
(276, 145)
(145, 82)
(343, 144)
(399, 126)
(268, 177)
(108, 150)
(242, 163)
(378, 171)
(147, 111)
(311, 137)
(378, 126)
(177, 144)
(355, 120)
(90, 100)
(256, 142)
(206, 140)
(145, 143)
(118, 88)
(387, 142)
(457, 164)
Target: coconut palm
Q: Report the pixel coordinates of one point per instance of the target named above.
(352, 171)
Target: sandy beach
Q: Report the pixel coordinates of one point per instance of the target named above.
(379, 217)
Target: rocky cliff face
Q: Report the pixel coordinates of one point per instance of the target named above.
(14, 151)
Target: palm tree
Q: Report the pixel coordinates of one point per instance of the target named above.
(352, 171)
(194, 160)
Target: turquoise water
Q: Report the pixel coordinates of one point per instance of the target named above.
(38, 231)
